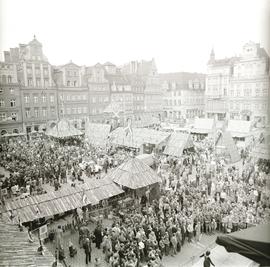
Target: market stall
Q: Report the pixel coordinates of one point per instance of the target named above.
(226, 147)
(57, 202)
(177, 143)
(261, 151)
(203, 127)
(138, 138)
(240, 131)
(97, 133)
(63, 129)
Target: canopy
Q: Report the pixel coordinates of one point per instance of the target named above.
(16, 250)
(253, 243)
(203, 126)
(146, 158)
(239, 128)
(261, 151)
(139, 137)
(177, 143)
(225, 143)
(145, 120)
(134, 174)
(63, 200)
(97, 133)
(62, 129)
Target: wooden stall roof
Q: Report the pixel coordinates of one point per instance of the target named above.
(16, 250)
(261, 151)
(140, 136)
(97, 133)
(239, 128)
(62, 129)
(225, 143)
(177, 143)
(203, 126)
(134, 174)
(144, 120)
(65, 199)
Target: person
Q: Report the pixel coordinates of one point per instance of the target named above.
(72, 249)
(87, 250)
(207, 261)
(59, 236)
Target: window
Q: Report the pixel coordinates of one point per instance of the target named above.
(2, 116)
(38, 82)
(26, 99)
(1, 90)
(27, 112)
(94, 100)
(36, 111)
(68, 83)
(68, 97)
(45, 72)
(11, 91)
(14, 116)
(44, 98)
(52, 110)
(84, 97)
(9, 79)
(2, 103)
(79, 110)
(74, 110)
(12, 103)
(74, 83)
(75, 73)
(84, 109)
(35, 99)
(29, 71)
(44, 112)
(46, 82)
(52, 98)
(68, 110)
(30, 82)
(16, 131)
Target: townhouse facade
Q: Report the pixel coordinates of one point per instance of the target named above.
(238, 87)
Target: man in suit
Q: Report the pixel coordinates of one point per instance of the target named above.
(87, 250)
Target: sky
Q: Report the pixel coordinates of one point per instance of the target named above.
(178, 34)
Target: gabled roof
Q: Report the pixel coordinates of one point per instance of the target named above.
(62, 129)
(108, 64)
(177, 143)
(239, 128)
(134, 174)
(70, 63)
(225, 144)
(139, 137)
(203, 126)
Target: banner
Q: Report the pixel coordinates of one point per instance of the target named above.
(43, 232)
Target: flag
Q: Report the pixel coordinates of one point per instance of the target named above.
(128, 129)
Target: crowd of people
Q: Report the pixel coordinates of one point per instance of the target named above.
(200, 194)
(43, 160)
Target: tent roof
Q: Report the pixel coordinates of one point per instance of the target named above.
(62, 129)
(97, 133)
(145, 120)
(226, 142)
(203, 126)
(177, 143)
(140, 136)
(253, 243)
(16, 250)
(261, 151)
(66, 199)
(239, 128)
(134, 174)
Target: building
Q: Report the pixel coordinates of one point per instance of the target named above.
(153, 94)
(249, 89)
(183, 95)
(10, 99)
(73, 102)
(98, 91)
(238, 87)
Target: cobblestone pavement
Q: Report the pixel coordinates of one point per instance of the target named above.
(188, 251)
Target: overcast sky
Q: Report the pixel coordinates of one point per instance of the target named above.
(178, 34)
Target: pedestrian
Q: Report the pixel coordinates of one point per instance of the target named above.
(207, 261)
(87, 250)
